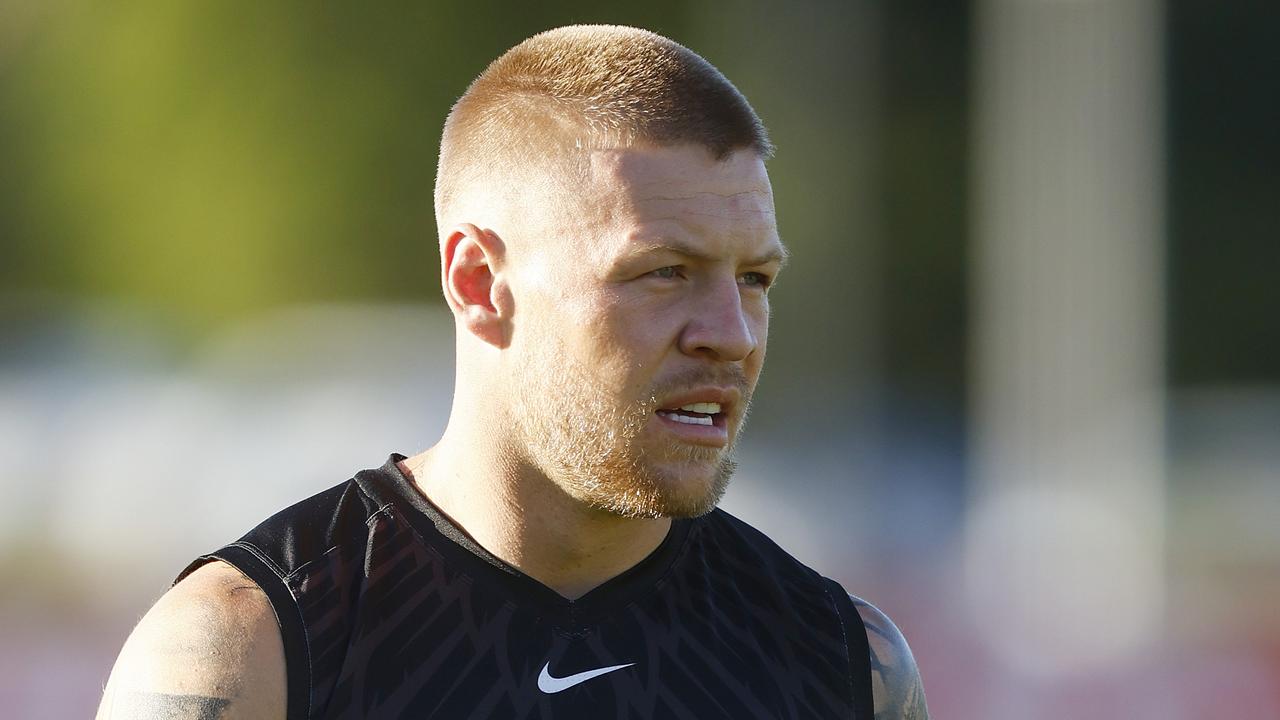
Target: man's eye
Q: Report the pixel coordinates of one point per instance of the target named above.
(666, 273)
(755, 279)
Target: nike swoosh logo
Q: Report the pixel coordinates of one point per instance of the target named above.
(550, 685)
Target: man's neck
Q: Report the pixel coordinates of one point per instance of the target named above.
(528, 522)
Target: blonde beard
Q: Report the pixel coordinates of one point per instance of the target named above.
(591, 448)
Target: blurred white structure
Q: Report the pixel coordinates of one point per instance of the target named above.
(122, 471)
(1064, 555)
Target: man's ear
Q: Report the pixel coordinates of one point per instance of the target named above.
(477, 292)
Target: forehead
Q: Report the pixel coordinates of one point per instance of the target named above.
(647, 191)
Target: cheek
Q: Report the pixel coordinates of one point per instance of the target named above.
(620, 347)
(548, 316)
(628, 349)
(645, 328)
(761, 319)
(760, 326)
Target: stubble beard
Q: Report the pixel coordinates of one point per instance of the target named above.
(592, 448)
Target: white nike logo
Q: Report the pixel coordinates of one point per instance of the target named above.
(549, 685)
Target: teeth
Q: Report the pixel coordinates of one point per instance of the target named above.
(689, 420)
(704, 408)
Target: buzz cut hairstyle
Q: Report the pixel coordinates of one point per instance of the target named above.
(573, 89)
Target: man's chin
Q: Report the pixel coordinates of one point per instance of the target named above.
(692, 488)
(675, 489)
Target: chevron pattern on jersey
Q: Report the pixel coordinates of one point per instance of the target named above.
(401, 621)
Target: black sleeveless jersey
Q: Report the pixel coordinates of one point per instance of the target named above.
(388, 610)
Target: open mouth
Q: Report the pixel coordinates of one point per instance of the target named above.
(701, 413)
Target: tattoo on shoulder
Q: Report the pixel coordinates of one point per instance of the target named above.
(899, 693)
(162, 706)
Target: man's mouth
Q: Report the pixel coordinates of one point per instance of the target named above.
(700, 413)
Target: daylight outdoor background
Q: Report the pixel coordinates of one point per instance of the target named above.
(1023, 388)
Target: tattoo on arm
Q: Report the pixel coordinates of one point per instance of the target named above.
(162, 706)
(900, 693)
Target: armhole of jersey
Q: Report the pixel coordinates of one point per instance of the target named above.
(288, 617)
(855, 632)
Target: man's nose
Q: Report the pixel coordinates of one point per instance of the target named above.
(719, 328)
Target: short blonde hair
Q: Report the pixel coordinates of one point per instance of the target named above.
(588, 86)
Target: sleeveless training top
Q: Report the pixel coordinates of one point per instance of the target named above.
(388, 610)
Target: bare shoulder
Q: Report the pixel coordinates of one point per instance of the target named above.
(209, 648)
(895, 679)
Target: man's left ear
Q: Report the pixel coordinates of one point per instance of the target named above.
(474, 285)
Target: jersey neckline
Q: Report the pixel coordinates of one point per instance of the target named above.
(389, 485)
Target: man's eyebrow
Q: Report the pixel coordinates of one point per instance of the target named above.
(778, 253)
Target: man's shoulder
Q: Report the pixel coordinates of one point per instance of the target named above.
(895, 677)
(210, 646)
(735, 535)
(314, 524)
(735, 551)
(305, 530)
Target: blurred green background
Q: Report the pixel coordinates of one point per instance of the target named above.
(211, 160)
(175, 178)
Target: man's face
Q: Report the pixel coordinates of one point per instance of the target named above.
(640, 327)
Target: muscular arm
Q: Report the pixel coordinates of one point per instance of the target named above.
(895, 679)
(210, 649)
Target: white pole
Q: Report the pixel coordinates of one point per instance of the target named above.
(1064, 544)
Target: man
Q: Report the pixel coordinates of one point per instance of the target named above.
(607, 243)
